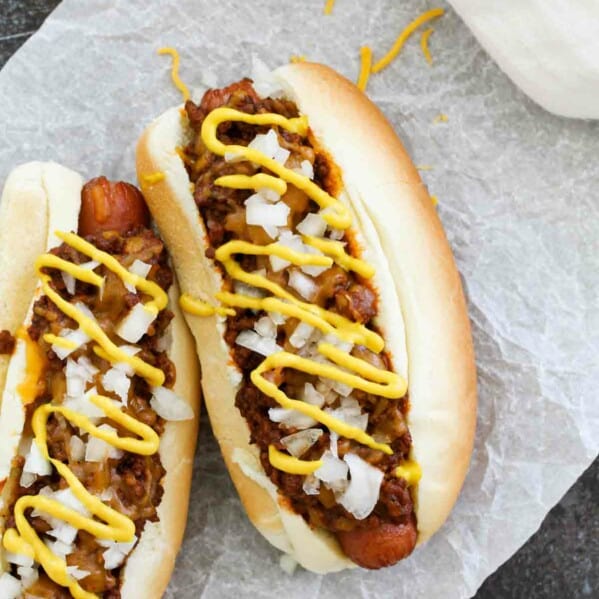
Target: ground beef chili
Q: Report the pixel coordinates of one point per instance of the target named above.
(7, 342)
(131, 483)
(223, 212)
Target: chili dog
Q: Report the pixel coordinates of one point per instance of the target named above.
(327, 309)
(100, 393)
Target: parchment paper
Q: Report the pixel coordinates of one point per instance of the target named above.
(517, 191)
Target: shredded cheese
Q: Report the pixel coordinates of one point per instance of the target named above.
(175, 72)
(404, 36)
(441, 118)
(328, 7)
(152, 178)
(365, 67)
(424, 45)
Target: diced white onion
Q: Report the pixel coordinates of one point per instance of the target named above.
(288, 239)
(168, 405)
(116, 552)
(313, 225)
(341, 388)
(248, 290)
(268, 144)
(18, 559)
(64, 533)
(287, 564)
(59, 548)
(277, 318)
(261, 345)
(350, 412)
(291, 418)
(363, 490)
(69, 282)
(78, 374)
(136, 323)
(298, 443)
(265, 327)
(264, 81)
(130, 350)
(36, 463)
(28, 575)
(76, 573)
(270, 195)
(75, 336)
(332, 470)
(76, 448)
(306, 170)
(139, 268)
(344, 346)
(118, 382)
(333, 443)
(84, 405)
(301, 334)
(303, 284)
(98, 450)
(266, 215)
(312, 396)
(67, 498)
(311, 485)
(27, 479)
(90, 265)
(10, 587)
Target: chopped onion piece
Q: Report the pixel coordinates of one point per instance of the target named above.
(265, 327)
(333, 443)
(10, 587)
(168, 405)
(288, 239)
(139, 268)
(298, 443)
(341, 388)
(98, 450)
(248, 290)
(270, 195)
(18, 559)
(332, 470)
(76, 449)
(59, 548)
(130, 350)
(27, 479)
(291, 418)
(344, 346)
(76, 573)
(28, 575)
(84, 405)
(306, 170)
(115, 553)
(350, 412)
(264, 81)
(312, 396)
(67, 497)
(336, 234)
(36, 463)
(363, 490)
(69, 282)
(311, 485)
(76, 336)
(136, 324)
(261, 345)
(313, 225)
(64, 532)
(303, 284)
(117, 381)
(268, 144)
(77, 374)
(301, 334)
(262, 213)
(277, 318)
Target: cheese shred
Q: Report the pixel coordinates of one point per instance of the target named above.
(424, 45)
(365, 67)
(328, 7)
(175, 72)
(404, 36)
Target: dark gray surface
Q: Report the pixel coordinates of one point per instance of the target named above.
(562, 558)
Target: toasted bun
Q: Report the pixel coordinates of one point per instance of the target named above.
(422, 312)
(38, 199)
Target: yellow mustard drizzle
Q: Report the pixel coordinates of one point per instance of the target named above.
(410, 471)
(104, 522)
(112, 525)
(59, 341)
(153, 178)
(200, 308)
(424, 45)
(345, 368)
(365, 67)
(34, 366)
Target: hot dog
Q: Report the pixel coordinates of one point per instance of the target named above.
(99, 410)
(327, 309)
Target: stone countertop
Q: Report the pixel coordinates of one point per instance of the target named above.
(561, 560)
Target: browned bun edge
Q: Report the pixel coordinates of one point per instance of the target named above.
(392, 201)
(39, 198)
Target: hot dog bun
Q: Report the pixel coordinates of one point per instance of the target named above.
(38, 199)
(418, 285)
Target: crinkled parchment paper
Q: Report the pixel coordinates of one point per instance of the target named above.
(517, 191)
